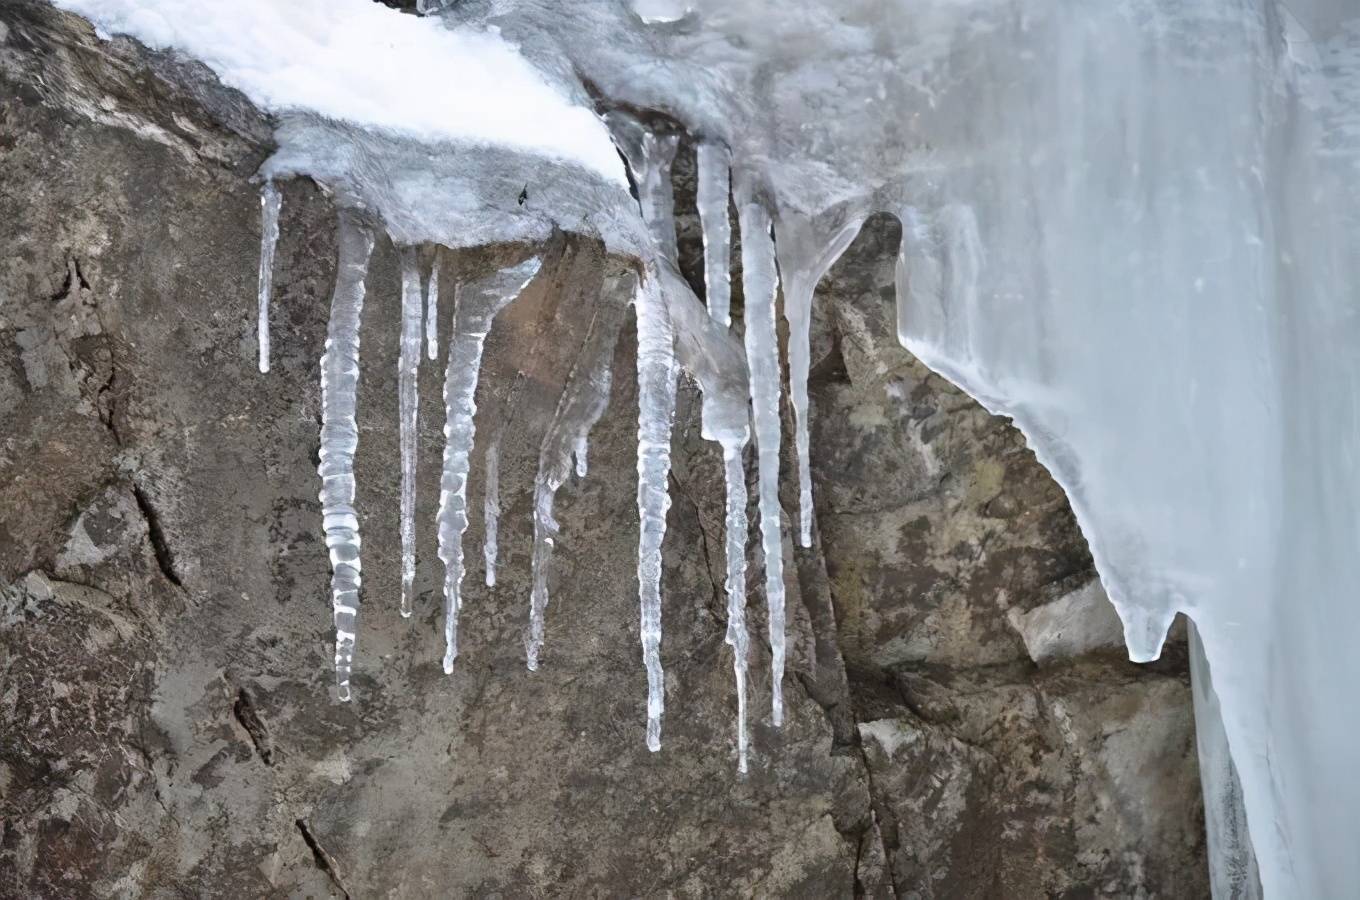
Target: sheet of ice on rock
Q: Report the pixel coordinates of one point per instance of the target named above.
(1140, 242)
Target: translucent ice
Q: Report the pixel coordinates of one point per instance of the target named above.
(478, 303)
(432, 310)
(340, 438)
(270, 202)
(713, 189)
(583, 401)
(408, 407)
(807, 249)
(656, 374)
(760, 282)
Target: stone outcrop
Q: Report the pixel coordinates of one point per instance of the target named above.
(167, 727)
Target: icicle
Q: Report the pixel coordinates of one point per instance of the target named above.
(706, 349)
(432, 311)
(734, 480)
(583, 401)
(477, 305)
(580, 451)
(759, 284)
(491, 510)
(408, 406)
(709, 352)
(270, 203)
(649, 158)
(806, 251)
(656, 409)
(714, 163)
(340, 438)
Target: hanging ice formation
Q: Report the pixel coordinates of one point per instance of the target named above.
(714, 163)
(478, 304)
(340, 437)
(807, 249)
(408, 406)
(491, 510)
(656, 407)
(760, 283)
(583, 401)
(270, 202)
(705, 349)
(432, 311)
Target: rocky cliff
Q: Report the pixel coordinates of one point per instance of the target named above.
(960, 720)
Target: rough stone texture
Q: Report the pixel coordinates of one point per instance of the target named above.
(167, 727)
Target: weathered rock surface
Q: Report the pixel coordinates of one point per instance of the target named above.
(167, 727)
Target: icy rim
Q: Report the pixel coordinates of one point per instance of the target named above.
(1131, 226)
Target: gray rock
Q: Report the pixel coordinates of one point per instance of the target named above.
(164, 655)
(1078, 622)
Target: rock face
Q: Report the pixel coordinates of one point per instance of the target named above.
(167, 718)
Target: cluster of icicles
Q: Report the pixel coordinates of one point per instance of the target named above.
(670, 337)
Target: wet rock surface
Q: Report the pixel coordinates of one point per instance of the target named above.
(167, 721)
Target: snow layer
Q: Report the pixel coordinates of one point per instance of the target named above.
(354, 61)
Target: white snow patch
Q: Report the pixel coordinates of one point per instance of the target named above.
(357, 61)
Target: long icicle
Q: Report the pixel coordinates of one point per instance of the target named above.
(714, 164)
(478, 304)
(702, 344)
(738, 638)
(271, 201)
(340, 438)
(806, 252)
(408, 409)
(760, 284)
(656, 409)
(432, 310)
(714, 191)
(583, 401)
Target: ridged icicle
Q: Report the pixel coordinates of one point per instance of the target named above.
(408, 408)
(477, 305)
(656, 410)
(583, 401)
(340, 438)
(702, 346)
(271, 201)
(759, 285)
(714, 164)
(807, 250)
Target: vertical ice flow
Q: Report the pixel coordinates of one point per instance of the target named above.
(491, 510)
(408, 407)
(432, 311)
(583, 401)
(759, 284)
(656, 408)
(1233, 873)
(806, 250)
(477, 305)
(270, 203)
(340, 438)
(714, 164)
